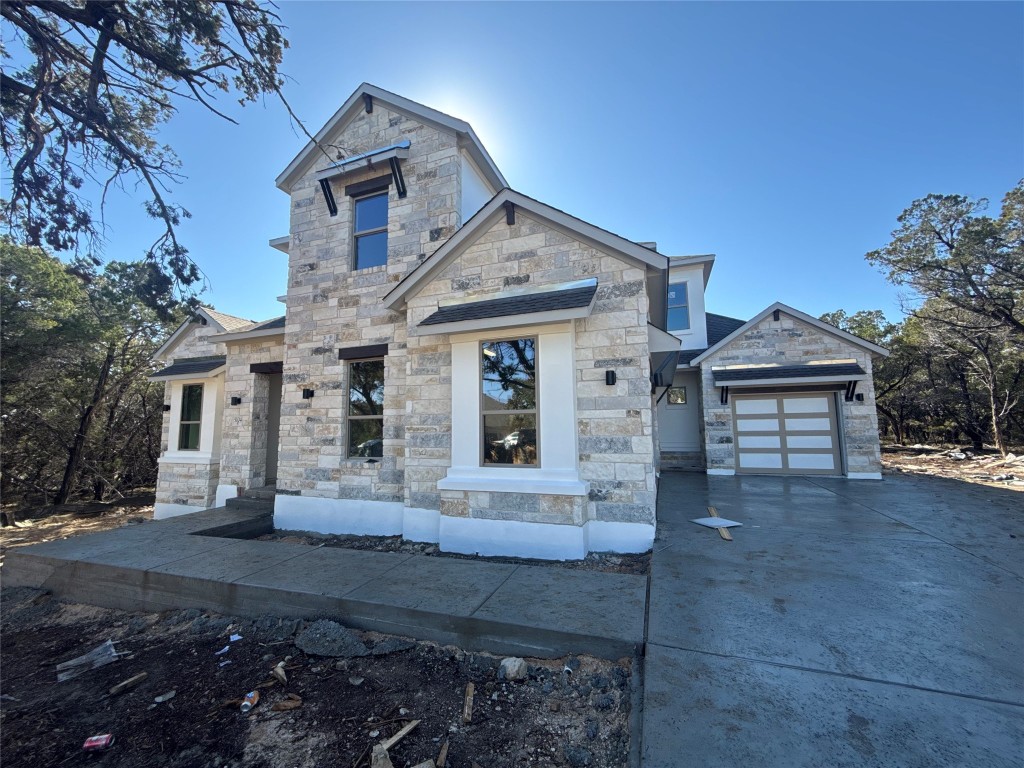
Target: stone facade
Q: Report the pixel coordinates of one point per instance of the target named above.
(331, 306)
(791, 341)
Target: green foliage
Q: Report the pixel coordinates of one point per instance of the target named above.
(76, 410)
(85, 89)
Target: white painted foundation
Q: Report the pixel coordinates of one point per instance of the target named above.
(727, 472)
(363, 518)
(225, 492)
(421, 525)
(162, 510)
(864, 476)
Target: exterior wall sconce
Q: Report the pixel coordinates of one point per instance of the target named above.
(167, 407)
(609, 378)
(236, 401)
(307, 394)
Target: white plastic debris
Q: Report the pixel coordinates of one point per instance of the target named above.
(716, 522)
(222, 651)
(235, 638)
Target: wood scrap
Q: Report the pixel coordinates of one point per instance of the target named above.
(131, 682)
(442, 756)
(389, 743)
(723, 532)
(291, 701)
(467, 705)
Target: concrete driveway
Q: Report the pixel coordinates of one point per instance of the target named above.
(850, 623)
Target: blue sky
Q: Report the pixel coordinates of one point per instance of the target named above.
(785, 138)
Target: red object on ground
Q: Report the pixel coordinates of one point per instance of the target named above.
(98, 743)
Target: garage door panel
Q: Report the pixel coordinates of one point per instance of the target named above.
(770, 405)
(805, 405)
(786, 434)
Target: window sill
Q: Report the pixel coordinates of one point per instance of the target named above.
(188, 457)
(510, 480)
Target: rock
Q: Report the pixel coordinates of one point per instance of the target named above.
(572, 664)
(380, 759)
(392, 645)
(592, 728)
(512, 668)
(604, 701)
(577, 757)
(328, 638)
(426, 764)
(356, 681)
(600, 682)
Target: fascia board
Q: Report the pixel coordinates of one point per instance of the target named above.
(172, 340)
(507, 321)
(245, 335)
(189, 376)
(833, 379)
(813, 321)
(282, 244)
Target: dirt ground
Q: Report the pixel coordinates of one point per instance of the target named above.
(572, 711)
(987, 468)
(596, 561)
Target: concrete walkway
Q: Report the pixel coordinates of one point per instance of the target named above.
(848, 624)
(188, 562)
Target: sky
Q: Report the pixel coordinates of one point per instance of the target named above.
(784, 137)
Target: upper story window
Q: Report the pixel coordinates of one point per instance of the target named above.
(366, 408)
(508, 403)
(191, 417)
(678, 307)
(371, 230)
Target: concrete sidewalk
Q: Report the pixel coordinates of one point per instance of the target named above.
(542, 611)
(849, 623)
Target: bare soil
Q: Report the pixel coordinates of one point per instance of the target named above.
(554, 718)
(596, 561)
(985, 468)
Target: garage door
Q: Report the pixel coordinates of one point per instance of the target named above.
(793, 434)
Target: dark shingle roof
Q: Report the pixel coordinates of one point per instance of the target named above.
(718, 326)
(188, 365)
(267, 325)
(530, 303)
(754, 373)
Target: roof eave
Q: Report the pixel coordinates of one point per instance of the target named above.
(506, 321)
(787, 380)
(245, 335)
(189, 376)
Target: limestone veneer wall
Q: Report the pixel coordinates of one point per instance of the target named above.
(243, 442)
(789, 340)
(615, 426)
(331, 306)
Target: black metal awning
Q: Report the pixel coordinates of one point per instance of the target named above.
(191, 366)
(524, 304)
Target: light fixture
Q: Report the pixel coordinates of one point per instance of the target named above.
(609, 378)
(307, 394)
(236, 401)
(167, 407)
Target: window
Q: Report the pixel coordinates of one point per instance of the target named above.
(366, 408)
(678, 307)
(371, 230)
(191, 417)
(677, 395)
(508, 373)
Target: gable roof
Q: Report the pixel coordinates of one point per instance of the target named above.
(468, 139)
(856, 341)
(272, 327)
(221, 320)
(491, 212)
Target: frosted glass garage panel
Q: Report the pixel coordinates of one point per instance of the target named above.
(761, 460)
(809, 441)
(757, 406)
(757, 425)
(759, 441)
(805, 405)
(811, 461)
(808, 425)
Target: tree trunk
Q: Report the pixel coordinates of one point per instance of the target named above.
(78, 444)
(997, 431)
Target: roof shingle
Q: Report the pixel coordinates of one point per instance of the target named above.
(526, 304)
(754, 373)
(190, 365)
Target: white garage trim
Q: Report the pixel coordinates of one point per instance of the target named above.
(787, 433)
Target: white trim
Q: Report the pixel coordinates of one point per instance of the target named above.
(199, 458)
(492, 213)
(661, 341)
(706, 261)
(722, 472)
(354, 104)
(355, 516)
(515, 480)
(281, 244)
(225, 492)
(863, 475)
(197, 377)
(624, 538)
(163, 510)
(421, 525)
(798, 315)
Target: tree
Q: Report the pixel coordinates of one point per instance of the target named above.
(946, 250)
(85, 88)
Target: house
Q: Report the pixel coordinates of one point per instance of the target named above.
(463, 364)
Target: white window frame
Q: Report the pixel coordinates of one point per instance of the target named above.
(689, 315)
(210, 424)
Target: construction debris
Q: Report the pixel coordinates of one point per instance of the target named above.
(467, 704)
(97, 657)
(958, 464)
(512, 668)
(291, 701)
(131, 682)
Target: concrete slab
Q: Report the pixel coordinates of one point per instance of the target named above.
(233, 560)
(596, 604)
(715, 712)
(158, 550)
(325, 571)
(436, 584)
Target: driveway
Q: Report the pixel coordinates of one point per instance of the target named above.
(849, 623)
